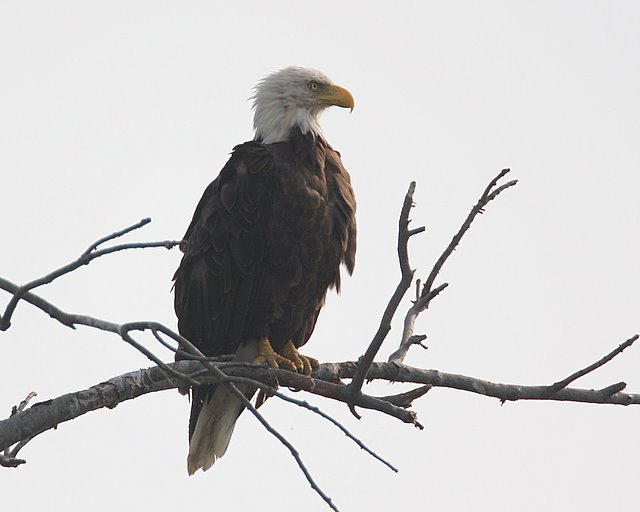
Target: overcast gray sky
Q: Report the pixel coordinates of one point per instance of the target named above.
(113, 111)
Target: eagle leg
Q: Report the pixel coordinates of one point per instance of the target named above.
(303, 364)
(272, 358)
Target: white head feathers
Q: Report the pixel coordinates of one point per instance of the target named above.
(294, 97)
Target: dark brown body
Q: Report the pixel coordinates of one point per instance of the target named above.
(265, 244)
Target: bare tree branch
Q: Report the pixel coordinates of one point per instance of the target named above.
(325, 382)
(405, 281)
(46, 306)
(22, 406)
(116, 234)
(554, 388)
(8, 458)
(399, 355)
(124, 331)
(405, 400)
(294, 453)
(10, 462)
(396, 400)
(428, 293)
(196, 369)
(489, 194)
(222, 379)
(85, 258)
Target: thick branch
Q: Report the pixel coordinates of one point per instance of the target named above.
(46, 415)
(188, 349)
(504, 392)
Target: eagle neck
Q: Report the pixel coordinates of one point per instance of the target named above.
(275, 122)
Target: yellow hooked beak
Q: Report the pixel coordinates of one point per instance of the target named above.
(338, 96)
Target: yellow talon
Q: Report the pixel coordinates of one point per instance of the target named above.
(272, 358)
(289, 359)
(303, 364)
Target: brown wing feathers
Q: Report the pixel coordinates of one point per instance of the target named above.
(225, 249)
(264, 246)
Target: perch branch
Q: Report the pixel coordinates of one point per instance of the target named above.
(47, 415)
(222, 377)
(124, 331)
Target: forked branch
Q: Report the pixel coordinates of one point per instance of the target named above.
(427, 293)
(404, 234)
(90, 254)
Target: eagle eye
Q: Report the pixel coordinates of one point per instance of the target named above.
(313, 86)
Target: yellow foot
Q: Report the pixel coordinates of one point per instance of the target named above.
(272, 358)
(302, 364)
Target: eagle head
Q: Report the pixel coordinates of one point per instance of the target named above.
(294, 97)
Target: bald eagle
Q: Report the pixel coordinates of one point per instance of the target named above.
(265, 244)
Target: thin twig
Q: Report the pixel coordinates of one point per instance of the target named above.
(613, 389)
(116, 234)
(85, 258)
(122, 330)
(14, 451)
(167, 244)
(294, 453)
(162, 342)
(428, 293)
(317, 410)
(488, 195)
(399, 355)
(561, 384)
(405, 400)
(124, 334)
(306, 405)
(53, 311)
(10, 462)
(22, 406)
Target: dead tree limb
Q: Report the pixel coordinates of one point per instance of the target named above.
(90, 254)
(404, 234)
(428, 293)
(328, 380)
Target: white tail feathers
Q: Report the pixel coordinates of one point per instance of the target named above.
(217, 418)
(213, 429)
